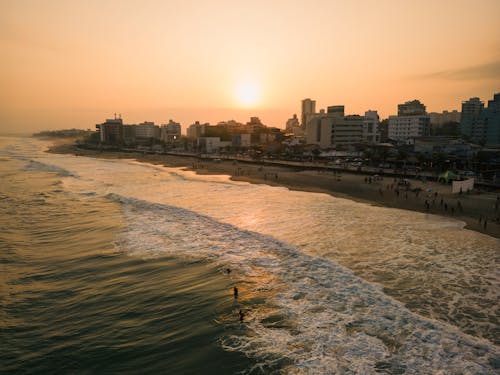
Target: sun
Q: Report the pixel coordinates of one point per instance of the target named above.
(247, 93)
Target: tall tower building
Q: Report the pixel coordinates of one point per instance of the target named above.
(481, 125)
(308, 109)
(471, 123)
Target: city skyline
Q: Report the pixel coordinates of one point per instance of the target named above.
(72, 64)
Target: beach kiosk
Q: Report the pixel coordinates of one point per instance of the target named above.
(447, 177)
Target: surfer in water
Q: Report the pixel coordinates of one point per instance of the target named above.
(242, 315)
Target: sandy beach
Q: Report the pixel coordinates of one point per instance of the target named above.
(478, 210)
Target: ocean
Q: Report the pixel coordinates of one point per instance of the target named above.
(114, 266)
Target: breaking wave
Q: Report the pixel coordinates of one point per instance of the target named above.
(318, 316)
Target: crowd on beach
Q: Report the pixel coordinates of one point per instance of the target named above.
(478, 209)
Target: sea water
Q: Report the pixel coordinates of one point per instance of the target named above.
(116, 265)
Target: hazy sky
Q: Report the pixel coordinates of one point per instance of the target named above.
(73, 63)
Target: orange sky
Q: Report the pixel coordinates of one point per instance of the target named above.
(74, 63)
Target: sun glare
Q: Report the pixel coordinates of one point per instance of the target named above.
(247, 93)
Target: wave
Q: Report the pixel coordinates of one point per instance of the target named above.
(34, 165)
(320, 317)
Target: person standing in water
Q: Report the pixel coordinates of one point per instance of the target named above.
(235, 292)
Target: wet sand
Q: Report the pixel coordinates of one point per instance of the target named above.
(468, 208)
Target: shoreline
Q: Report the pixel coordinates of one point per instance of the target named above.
(354, 186)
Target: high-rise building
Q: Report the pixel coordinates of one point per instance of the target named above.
(481, 125)
(412, 121)
(492, 120)
(494, 104)
(411, 108)
(472, 123)
(370, 127)
(111, 131)
(129, 134)
(308, 110)
(472, 106)
(336, 110)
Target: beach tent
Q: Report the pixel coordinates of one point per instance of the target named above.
(447, 176)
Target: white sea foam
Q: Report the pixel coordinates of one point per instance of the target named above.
(293, 244)
(335, 322)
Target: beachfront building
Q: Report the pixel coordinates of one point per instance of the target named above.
(196, 130)
(228, 127)
(129, 134)
(210, 144)
(481, 125)
(446, 145)
(411, 108)
(308, 111)
(170, 132)
(147, 130)
(404, 129)
(292, 124)
(333, 128)
(411, 122)
(241, 140)
(370, 127)
(255, 125)
(259, 133)
(438, 119)
(111, 131)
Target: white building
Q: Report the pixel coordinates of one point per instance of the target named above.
(170, 132)
(147, 129)
(405, 129)
(412, 121)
